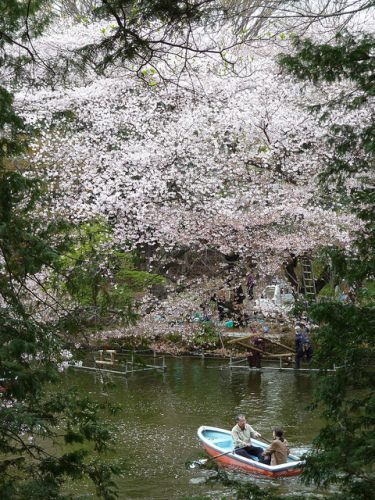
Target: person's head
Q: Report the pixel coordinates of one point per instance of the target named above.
(241, 420)
(278, 433)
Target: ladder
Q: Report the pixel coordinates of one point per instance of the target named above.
(308, 279)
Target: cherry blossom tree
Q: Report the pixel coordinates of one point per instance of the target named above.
(232, 166)
(208, 150)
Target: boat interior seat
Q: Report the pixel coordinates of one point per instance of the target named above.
(228, 443)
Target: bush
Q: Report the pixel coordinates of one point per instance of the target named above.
(173, 338)
(206, 336)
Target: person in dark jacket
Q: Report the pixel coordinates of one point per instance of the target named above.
(303, 347)
(254, 357)
(220, 303)
(250, 284)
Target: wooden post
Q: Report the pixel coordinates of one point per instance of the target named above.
(111, 353)
(221, 339)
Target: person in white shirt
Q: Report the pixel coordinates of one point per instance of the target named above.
(242, 433)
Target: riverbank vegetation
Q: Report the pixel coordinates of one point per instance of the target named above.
(153, 155)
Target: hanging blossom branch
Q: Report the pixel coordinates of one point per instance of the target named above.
(159, 36)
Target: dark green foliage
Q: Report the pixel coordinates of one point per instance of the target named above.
(348, 58)
(345, 339)
(96, 282)
(151, 10)
(173, 338)
(133, 37)
(344, 451)
(31, 414)
(24, 241)
(22, 20)
(10, 125)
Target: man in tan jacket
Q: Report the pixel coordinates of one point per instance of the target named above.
(242, 433)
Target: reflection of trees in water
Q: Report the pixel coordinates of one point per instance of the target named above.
(246, 389)
(299, 422)
(275, 399)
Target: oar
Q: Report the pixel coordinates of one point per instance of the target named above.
(226, 453)
(266, 440)
(205, 460)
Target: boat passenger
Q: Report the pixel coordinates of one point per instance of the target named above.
(242, 433)
(278, 451)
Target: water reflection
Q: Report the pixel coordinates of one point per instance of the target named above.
(156, 428)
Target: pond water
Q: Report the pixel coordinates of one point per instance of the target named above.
(157, 424)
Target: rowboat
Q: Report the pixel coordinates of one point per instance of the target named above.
(218, 444)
